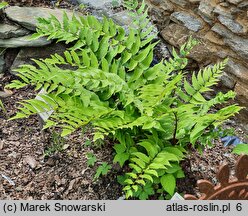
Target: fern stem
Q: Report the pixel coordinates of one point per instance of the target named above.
(174, 140)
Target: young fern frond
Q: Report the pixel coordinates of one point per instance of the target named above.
(201, 83)
(151, 165)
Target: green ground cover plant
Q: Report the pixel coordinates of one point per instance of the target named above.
(106, 80)
(241, 149)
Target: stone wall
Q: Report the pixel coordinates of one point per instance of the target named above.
(17, 24)
(220, 25)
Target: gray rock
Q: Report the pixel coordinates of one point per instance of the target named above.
(205, 10)
(27, 16)
(242, 94)
(23, 42)
(9, 31)
(189, 21)
(222, 11)
(235, 1)
(227, 81)
(231, 24)
(25, 54)
(237, 70)
(99, 4)
(236, 43)
(122, 18)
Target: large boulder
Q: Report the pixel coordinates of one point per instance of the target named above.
(27, 16)
(9, 31)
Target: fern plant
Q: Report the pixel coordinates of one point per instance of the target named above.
(105, 79)
(3, 5)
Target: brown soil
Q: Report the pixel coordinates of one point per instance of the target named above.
(62, 175)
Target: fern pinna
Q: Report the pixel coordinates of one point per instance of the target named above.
(105, 79)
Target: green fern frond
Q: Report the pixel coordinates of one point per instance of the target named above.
(201, 83)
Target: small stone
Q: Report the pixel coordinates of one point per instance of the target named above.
(24, 42)
(31, 161)
(189, 21)
(231, 24)
(9, 31)
(50, 162)
(123, 197)
(19, 189)
(5, 93)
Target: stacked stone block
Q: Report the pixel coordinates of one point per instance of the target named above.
(220, 25)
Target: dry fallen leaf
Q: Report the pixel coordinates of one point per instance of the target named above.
(31, 161)
(5, 93)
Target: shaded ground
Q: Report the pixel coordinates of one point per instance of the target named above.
(63, 175)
